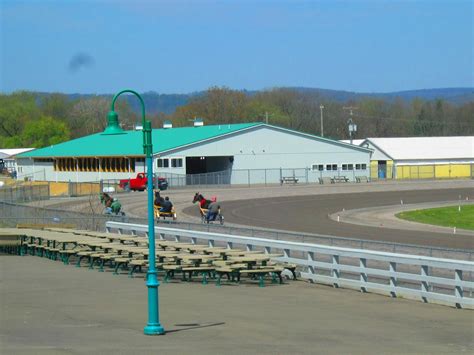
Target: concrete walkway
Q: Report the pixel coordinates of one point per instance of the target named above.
(49, 308)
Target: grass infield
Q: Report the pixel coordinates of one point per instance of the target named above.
(443, 216)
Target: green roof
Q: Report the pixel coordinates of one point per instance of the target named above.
(131, 142)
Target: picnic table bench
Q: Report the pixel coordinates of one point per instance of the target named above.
(10, 242)
(288, 179)
(324, 180)
(236, 270)
(335, 179)
(362, 179)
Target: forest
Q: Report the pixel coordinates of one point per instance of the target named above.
(35, 120)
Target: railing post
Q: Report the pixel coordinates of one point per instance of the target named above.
(424, 283)
(311, 268)
(335, 270)
(393, 279)
(363, 274)
(458, 289)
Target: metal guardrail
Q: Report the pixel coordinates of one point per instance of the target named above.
(377, 245)
(438, 280)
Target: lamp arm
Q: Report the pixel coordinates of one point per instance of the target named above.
(112, 106)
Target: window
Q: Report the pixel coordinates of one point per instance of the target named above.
(361, 166)
(176, 163)
(344, 166)
(163, 163)
(357, 166)
(364, 166)
(350, 166)
(331, 167)
(319, 167)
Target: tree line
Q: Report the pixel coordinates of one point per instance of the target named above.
(29, 119)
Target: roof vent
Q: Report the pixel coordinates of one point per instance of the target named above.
(167, 124)
(198, 122)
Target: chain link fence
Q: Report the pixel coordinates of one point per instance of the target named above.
(25, 193)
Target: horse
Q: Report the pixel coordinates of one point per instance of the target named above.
(204, 203)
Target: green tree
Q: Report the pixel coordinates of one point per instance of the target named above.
(56, 105)
(15, 111)
(44, 132)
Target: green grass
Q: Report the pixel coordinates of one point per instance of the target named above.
(444, 216)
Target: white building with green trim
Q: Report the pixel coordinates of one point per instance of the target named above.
(232, 153)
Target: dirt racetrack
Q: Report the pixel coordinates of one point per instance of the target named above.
(309, 214)
(305, 208)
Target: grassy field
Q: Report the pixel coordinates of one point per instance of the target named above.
(444, 216)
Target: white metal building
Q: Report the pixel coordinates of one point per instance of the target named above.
(421, 157)
(236, 152)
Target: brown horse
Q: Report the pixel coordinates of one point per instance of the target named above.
(204, 203)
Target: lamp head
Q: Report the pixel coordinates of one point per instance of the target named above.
(113, 126)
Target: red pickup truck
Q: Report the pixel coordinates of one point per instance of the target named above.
(139, 183)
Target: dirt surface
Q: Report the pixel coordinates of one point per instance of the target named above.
(306, 208)
(310, 214)
(50, 308)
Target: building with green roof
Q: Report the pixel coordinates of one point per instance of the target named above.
(223, 154)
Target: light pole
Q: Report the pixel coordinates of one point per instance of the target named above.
(321, 107)
(351, 125)
(153, 326)
(352, 128)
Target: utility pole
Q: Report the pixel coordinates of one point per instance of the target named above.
(321, 107)
(352, 126)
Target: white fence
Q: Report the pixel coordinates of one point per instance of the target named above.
(433, 280)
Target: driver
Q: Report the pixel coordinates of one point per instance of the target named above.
(212, 211)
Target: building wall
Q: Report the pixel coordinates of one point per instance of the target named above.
(44, 171)
(268, 148)
(377, 154)
(434, 170)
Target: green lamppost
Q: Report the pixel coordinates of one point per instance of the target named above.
(153, 326)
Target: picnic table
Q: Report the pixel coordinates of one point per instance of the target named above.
(288, 179)
(335, 179)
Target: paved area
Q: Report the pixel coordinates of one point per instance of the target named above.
(49, 308)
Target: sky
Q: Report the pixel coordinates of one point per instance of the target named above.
(104, 46)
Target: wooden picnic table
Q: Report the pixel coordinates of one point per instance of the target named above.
(251, 260)
(196, 259)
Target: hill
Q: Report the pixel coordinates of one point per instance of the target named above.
(167, 103)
